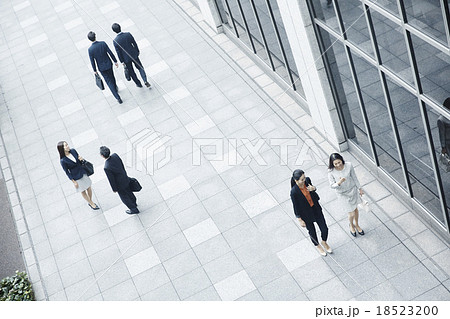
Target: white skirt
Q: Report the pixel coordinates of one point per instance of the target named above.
(83, 183)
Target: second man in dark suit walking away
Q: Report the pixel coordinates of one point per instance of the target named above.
(128, 53)
(118, 179)
(100, 53)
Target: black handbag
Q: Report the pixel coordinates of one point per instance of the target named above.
(88, 167)
(99, 82)
(127, 73)
(134, 185)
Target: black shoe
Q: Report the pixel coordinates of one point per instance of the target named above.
(119, 100)
(139, 85)
(148, 85)
(353, 234)
(361, 232)
(129, 212)
(94, 208)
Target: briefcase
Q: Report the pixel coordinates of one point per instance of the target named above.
(127, 73)
(99, 82)
(134, 185)
(88, 167)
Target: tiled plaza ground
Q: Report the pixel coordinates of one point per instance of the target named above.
(205, 232)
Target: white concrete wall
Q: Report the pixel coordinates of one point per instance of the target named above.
(300, 33)
(210, 14)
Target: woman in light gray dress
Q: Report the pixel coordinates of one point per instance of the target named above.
(343, 180)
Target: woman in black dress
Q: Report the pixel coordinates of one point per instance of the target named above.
(307, 209)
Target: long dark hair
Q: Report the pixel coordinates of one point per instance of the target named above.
(60, 148)
(296, 176)
(333, 157)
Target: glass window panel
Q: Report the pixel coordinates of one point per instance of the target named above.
(324, 11)
(355, 24)
(254, 31)
(345, 90)
(392, 46)
(389, 5)
(239, 22)
(426, 15)
(433, 117)
(415, 148)
(434, 70)
(285, 43)
(378, 116)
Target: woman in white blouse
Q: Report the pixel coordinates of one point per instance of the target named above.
(343, 180)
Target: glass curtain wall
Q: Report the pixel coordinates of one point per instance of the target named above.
(389, 65)
(258, 24)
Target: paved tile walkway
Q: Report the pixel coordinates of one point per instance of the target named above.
(212, 231)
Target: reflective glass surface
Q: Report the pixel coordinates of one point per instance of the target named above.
(355, 24)
(438, 143)
(378, 116)
(415, 147)
(392, 46)
(426, 15)
(324, 10)
(434, 70)
(389, 5)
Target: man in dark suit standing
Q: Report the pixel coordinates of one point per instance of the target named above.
(118, 179)
(128, 53)
(100, 53)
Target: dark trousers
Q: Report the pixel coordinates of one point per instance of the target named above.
(320, 220)
(127, 197)
(137, 63)
(110, 80)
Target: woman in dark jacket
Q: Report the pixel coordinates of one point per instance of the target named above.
(71, 163)
(307, 209)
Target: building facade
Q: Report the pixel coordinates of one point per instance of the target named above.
(373, 75)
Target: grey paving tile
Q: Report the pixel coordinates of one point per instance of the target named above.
(208, 294)
(105, 258)
(150, 279)
(377, 241)
(298, 254)
(252, 252)
(69, 256)
(64, 240)
(439, 293)
(255, 295)
(394, 261)
(429, 243)
(98, 242)
(443, 260)
(346, 257)
(181, 264)
(112, 276)
(211, 249)
(53, 284)
(201, 232)
(235, 286)
(191, 216)
(241, 234)
(266, 270)
(230, 218)
(121, 292)
(126, 228)
(82, 290)
(142, 261)
(414, 282)
(163, 230)
(219, 202)
(164, 293)
(172, 247)
(281, 289)
(222, 267)
(330, 290)
(191, 283)
(410, 224)
(76, 272)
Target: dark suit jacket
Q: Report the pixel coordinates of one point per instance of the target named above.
(116, 173)
(98, 52)
(444, 132)
(125, 47)
(74, 170)
(301, 206)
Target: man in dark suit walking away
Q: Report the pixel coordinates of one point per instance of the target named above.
(118, 179)
(100, 53)
(128, 53)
